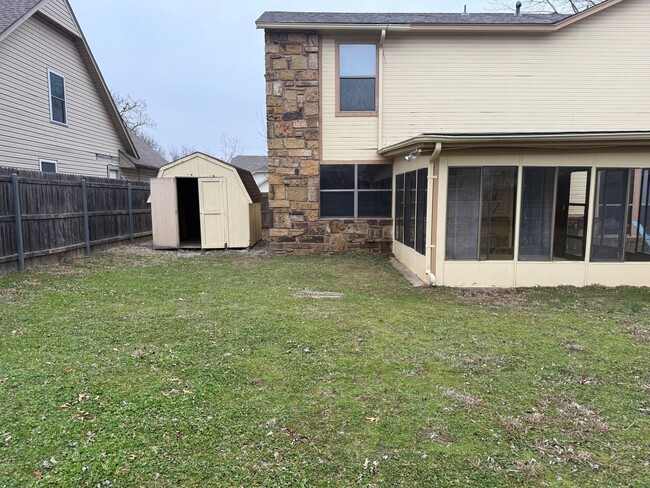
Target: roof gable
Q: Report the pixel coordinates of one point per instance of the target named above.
(13, 12)
(59, 12)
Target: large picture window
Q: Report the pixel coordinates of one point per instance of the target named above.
(411, 209)
(621, 216)
(357, 78)
(481, 213)
(356, 190)
(554, 214)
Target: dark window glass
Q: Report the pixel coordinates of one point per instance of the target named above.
(421, 221)
(463, 210)
(375, 204)
(357, 95)
(399, 208)
(637, 242)
(375, 176)
(337, 177)
(48, 167)
(536, 229)
(410, 181)
(370, 190)
(610, 213)
(337, 204)
(57, 98)
(357, 77)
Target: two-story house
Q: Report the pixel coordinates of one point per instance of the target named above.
(56, 113)
(480, 149)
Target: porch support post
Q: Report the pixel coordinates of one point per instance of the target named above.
(431, 208)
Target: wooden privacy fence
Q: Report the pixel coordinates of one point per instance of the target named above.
(44, 214)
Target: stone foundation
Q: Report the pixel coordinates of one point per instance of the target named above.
(293, 116)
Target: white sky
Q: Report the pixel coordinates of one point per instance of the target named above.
(200, 63)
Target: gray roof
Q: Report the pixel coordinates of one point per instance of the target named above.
(254, 164)
(406, 18)
(149, 157)
(13, 10)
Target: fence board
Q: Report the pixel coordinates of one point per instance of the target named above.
(52, 213)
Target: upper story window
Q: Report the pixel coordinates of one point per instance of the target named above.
(58, 104)
(357, 78)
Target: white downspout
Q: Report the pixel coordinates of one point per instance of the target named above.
(430, 180)
(380, 91)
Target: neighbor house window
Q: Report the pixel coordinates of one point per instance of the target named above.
(58, 105)
(411, 209)
(357, 78)
(554, 214)
(356, 190)
(621, 216)
(113, 174)
(481, 213)
(48, 166)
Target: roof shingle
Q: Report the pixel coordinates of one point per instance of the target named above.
(12, 10)
(406, 18)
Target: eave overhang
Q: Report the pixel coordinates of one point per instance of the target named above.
(548, 140)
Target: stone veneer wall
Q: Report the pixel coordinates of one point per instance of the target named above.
(293, 116)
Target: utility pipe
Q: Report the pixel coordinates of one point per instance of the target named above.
(430, 208)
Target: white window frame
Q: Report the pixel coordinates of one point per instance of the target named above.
(65, 95)
(112, 168)
(49, 161)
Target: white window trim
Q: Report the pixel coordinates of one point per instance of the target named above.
(65, 95)
(110, 168)
(50, 161)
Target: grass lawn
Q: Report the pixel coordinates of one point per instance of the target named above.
(135, 368)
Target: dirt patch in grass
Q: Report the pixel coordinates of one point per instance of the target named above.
(495, 297)
(574, 347)
(438, 435)
(462, 399)
(319, 295)
(640, 334)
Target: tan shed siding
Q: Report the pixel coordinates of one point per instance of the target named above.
(59, 11)
(591, 76)
(26, 133)
(344, 138)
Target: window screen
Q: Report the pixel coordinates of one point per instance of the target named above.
(463, 212)
(399, 208)
(498, 213)
(637, 242)
(356, 191)
(610, 214)
(421, 209)
(48, 166)
(536, 229)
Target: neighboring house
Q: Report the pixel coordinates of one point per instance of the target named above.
(481, 149)
(56, 113)
(258, 166)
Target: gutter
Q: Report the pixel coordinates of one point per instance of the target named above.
(525, 139)
(428, 256)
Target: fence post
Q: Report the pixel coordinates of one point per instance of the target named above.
(84, 203)
(130, 199)
(20, 249)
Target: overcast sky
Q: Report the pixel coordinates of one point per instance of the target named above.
(200, 63)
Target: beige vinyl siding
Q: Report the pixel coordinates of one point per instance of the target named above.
(591, 76)
(137, 174)
(26, 133)
(344, 138)
(59, 11)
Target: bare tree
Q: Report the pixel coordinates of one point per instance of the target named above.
(134, 112)
(230, 147)
(175, 152)
(548, 6)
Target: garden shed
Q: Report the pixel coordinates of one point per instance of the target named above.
(200, 202)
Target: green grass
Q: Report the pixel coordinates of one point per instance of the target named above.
(162, 369)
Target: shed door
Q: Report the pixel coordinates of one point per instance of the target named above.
(164, 213)
(214, 218)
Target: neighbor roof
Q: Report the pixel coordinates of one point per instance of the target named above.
(405, 18)
(254, 164)
(149, 157)
(12, 10)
